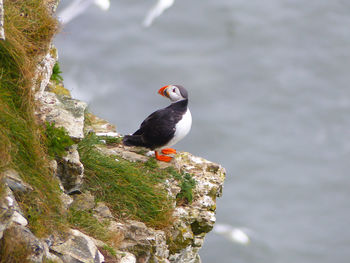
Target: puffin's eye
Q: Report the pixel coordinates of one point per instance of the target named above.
(174, 90)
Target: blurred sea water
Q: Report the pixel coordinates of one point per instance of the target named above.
(269, 94)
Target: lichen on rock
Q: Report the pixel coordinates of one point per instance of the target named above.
(64, 112)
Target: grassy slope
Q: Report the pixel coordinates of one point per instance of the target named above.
(131, 190)
(29, 29)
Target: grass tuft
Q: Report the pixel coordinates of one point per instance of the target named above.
(57, 140)
(130, 189)
(56, 74)
(110, 250)
(85, 221)
(187, 185)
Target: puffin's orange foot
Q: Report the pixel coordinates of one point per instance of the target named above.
(169, 151)
(163, 158)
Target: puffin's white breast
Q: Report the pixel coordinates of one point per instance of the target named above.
(182, 128)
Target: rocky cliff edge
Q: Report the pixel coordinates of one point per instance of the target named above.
(191, 183)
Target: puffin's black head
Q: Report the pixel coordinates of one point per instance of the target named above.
(174, 92)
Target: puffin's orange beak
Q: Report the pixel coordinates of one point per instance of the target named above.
(162, 91)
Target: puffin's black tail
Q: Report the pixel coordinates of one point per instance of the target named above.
(133, 140)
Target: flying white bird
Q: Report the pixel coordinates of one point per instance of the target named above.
(79, 6)
(237, 235)
(156, 11)
(103, 4)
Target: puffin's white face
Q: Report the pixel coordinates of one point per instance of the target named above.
(174, 93)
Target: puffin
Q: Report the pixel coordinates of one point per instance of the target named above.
(164, 127)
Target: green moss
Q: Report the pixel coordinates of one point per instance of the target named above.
(213, 168)
(213, 193)
(187, 185)
(130, 189)
(198, 228)
(56, 73)
(57, 140)
(175, 245)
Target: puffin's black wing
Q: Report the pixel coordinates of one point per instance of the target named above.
(157, 129)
